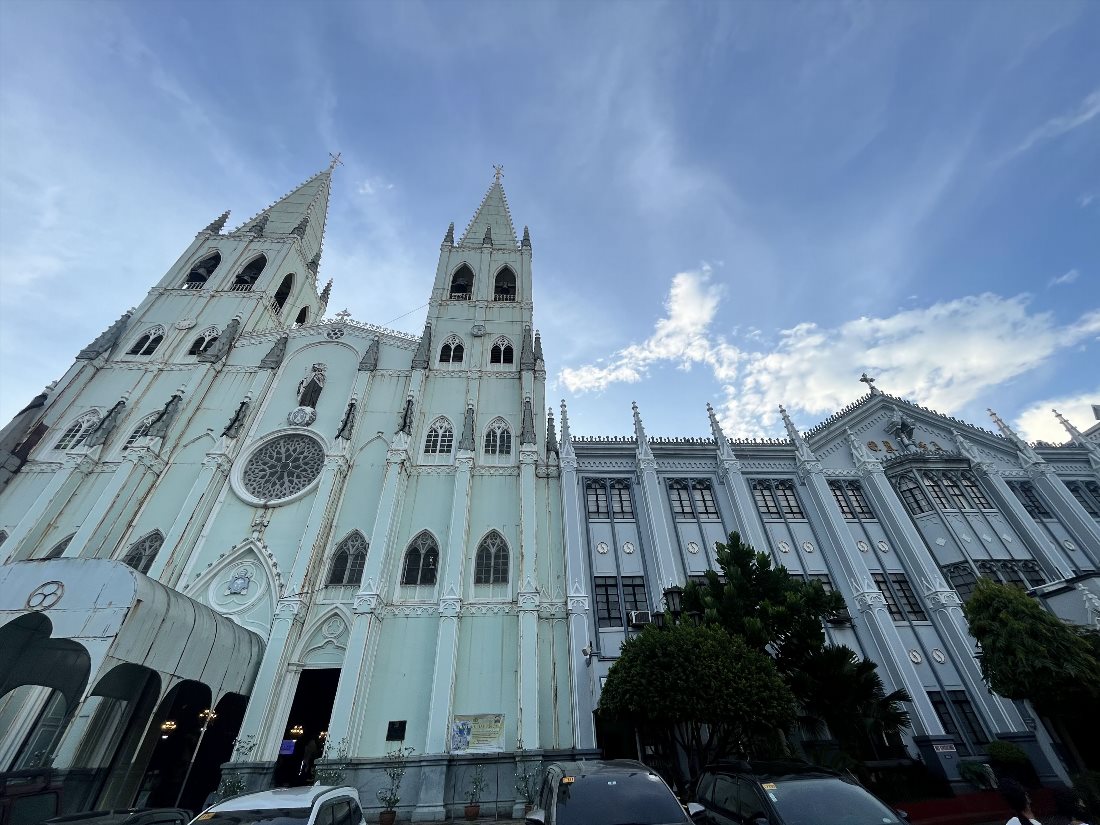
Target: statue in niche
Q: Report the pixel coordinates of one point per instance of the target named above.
(309, 389)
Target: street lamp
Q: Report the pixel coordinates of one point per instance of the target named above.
(660, 621)
(166, 727)
(674, 597)
(207, 716)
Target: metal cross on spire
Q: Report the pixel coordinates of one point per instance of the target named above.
(498, 171)
(335, 160)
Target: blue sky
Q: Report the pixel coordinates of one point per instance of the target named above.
(743, 203)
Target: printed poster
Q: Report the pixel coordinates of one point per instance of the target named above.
(477, 733)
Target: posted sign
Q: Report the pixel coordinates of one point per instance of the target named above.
(477, 733)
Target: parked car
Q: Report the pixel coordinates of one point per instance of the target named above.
(615, 792)
(787, 793)
(125, 816)
(310, 805)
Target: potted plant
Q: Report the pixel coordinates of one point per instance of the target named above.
(473, 793)
(396, 765)
(527, 785)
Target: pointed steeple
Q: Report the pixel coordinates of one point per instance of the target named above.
(863, 459)
(218, 224)
(449, 238)
(492, 223)
(725, 451)
(1027, 453)
(799, 443)
(466, 443)
(527, 432)
(551, 433)
(526, 242)
(1079, 439)
(527, 351)
(566, 450)
(326, 293)
(538, 348)
(423, 350)
(301, 212)
(370, 357)
(644, 451)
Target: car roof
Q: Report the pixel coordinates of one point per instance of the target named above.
(600, 766)
(301, 797)
(772, 769)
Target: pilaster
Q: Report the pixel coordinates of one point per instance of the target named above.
(528, 604)
(30, 529)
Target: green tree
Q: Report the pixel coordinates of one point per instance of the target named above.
(700, 690)
(784, 616)
(1028, 653)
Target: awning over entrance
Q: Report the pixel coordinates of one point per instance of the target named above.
(119, 616)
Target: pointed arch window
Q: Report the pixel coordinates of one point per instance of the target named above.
(247, 276)
(953, 489)
(142, 552)
(502, 351)
(936, 492)
(140, 431)
(76, 432)
(702, 493)
(452, 351)
(911, 496)
(204, 341)
(349, 560)
(58, 550)
(491, 561)
(504, 285)
(303, 317)
(595, 497)
(148, 342)
(462, 283)
(621, 505)
(200, 273)
(440, 438)
(498, 438)
(970, 484)
(282, 293)
(421, 560)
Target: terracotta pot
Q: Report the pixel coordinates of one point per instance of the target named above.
(387, 817)
(472, 811)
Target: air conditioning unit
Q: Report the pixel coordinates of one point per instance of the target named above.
(638, 618)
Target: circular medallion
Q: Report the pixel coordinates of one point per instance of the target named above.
(301, 416)
(1069, 545)
(915, 657)
(884, 547)
(938, 655)
(283, 467)
(693, 547)
(784, 547)
(808, 546)
(628, 548)
(335, 334)
(45, 596)
(862, 545)
(601, 548)
(185, 323)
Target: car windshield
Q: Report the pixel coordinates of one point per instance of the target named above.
(826, 801)
(270, 816)
(639, 798)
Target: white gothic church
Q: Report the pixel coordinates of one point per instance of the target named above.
(238, 532)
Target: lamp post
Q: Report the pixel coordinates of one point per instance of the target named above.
(207, 716)
(674, 600)
(660, 621)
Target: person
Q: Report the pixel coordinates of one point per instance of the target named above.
(1070, 806)
(1018, 800)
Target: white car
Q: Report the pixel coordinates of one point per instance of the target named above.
(311, 805)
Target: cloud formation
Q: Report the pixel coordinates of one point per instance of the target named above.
(1086, 110)
(945, 354)
(1067, 278)
(1037, 422)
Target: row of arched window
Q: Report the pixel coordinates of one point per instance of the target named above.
(201, 272)
(453, 351)
(139, 556)
(421, 561)
(462, 284)
(77, 433)
(440, 438)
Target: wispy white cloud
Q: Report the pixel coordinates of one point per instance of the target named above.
(1037, 422)
(1067, 278)
(946, 354)
(1086, 110)
(1085, 199)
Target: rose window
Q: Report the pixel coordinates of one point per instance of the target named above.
(283, 467)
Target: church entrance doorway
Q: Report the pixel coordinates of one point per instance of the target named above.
(306, 726)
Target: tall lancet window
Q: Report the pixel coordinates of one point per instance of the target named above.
(76, 432)
(502, 352)
(498, 438)
(452, 351)
(149, 341)
(309, 389)
(491, 562)
(504, 286)
(58, 549)
(421, 560)
(247, 276)
(462, 283)
(349, 560)
(200, 273)
(142, 552)
(440, 438)
(282, 293)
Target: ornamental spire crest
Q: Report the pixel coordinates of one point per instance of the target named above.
(725, 451)
(644, 451)
(1079, 439)
(797, 441)
(1026, 451)
(218, 224)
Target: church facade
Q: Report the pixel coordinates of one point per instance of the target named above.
(236, 531)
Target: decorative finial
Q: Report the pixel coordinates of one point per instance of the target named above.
(300, 229)
(1025, 450)
(799, 443)
(551, 433)
(870, 382)
(335, 160)
(488, 239)
(218, 224)
(526, 242)
(498, 172)
(639, 432)
(326, 293)
(564, 422)
(314, 262)
(1073, 431)
(449, 238)
(343, 315)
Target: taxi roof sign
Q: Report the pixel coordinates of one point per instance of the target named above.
(567, 780)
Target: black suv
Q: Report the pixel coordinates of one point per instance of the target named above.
(787, 793)
(614, 792)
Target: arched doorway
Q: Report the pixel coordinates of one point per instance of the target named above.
(214, 751)
(172, 740)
